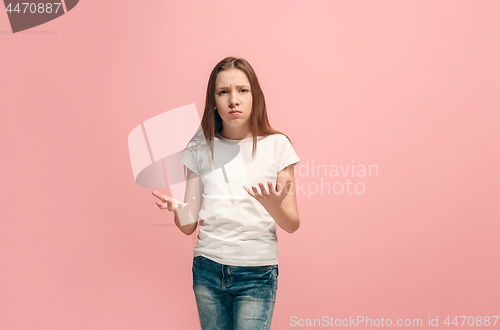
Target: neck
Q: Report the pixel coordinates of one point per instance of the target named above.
(236, 134)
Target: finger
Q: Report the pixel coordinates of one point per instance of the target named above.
(271, 189)
(257, 192)
(287, 186)
(191, 201)
(263, 189)
(249, 191)
(159, 196)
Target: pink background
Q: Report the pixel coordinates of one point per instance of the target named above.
(408, 86)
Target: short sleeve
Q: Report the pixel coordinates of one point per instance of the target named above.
(286, 153)
(188, 158)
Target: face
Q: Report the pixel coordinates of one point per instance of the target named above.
(232, 92)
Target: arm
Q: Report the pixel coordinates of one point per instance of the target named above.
(194, 188)
(280, 202)
(286, 215)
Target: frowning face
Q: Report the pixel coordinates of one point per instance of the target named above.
(233, 99)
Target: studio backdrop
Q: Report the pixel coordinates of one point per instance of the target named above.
(392, 107)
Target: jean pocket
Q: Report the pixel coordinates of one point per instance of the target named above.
(198, 261)
(256, 268)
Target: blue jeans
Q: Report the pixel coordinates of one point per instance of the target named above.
(234, 297)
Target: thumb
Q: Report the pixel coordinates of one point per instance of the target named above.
(186, 206)
(191, 201)
(286, 188)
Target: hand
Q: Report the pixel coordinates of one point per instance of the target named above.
(173, 205)
(271, 199)
(167, 202)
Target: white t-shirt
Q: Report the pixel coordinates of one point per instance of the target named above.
(235, 228)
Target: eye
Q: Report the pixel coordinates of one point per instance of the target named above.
(220, 93)
(244, 90)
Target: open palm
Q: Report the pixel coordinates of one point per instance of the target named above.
(272, 198)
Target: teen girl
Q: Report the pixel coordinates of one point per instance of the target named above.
(235, 265)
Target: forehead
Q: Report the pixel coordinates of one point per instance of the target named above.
(231, 77)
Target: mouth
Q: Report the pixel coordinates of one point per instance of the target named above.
(234, 112)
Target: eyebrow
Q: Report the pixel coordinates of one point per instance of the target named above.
(239, 86)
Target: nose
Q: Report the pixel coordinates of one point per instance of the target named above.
(233, 102)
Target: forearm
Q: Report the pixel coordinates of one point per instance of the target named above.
(187, 229)
(288, 220)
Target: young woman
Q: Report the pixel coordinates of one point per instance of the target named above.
(235, 266)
